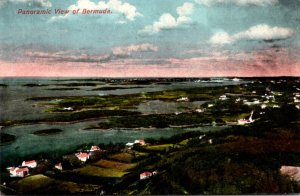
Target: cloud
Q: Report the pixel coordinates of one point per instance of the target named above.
(39, 3)
(221, 38)
(258, 32)
(185, 9)
(265, 32)
(167, 21)
(126, 9)
(69, 56)
(128, 50)
(237, 2)
(64, 56)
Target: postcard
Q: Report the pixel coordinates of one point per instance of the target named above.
(137, 97)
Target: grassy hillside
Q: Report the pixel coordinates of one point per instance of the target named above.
(240, 160)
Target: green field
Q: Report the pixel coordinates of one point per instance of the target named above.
(114, 165)
(161, 147)
(100, 172)
(32, 183)
(122, 157)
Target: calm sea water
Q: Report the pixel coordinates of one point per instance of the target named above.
(13, 106)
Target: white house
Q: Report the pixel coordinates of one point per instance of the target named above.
(255, 102)
(12, 171)
(237, 100)
(141, 142)
(201, 137)
(95, 148)
(145, 175)
(58, 166)
(291, 171)
(246, 121)
(68, 108)
(82, 156)
(199, 110)
(129, 145)
(183, 99)
(223, 97)
(263, 106)
(18, 172)
(31, 164)
(296, 100)
(210, 105)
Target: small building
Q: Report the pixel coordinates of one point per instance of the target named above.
(263, 106)
(296, 100)
(21, 172)
(246, 121)
(214, 124)
(183, 99)
(145, 175)
(12, 171)
(237, 100)
(68, 108)
(18, 172)
(199, 110)
(256, 102)
(210, 105)
(223, 97)
(291, 171)
(95, 148)
(201, 137)
(141, 142)
(82, 156)
(58, 166)
(154, 172)
(129, 145)
(31, 164)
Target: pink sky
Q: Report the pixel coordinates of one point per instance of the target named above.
(268, 62)
(178, 68)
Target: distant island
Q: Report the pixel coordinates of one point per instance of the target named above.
(47, 131)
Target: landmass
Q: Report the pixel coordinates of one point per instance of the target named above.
(256, 152)
(6, 138)
(47, 131)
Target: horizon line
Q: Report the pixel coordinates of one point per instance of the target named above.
(150, 77)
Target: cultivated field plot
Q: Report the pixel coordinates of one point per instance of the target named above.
(114, 165)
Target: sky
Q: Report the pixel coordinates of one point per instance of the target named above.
(150, 38)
